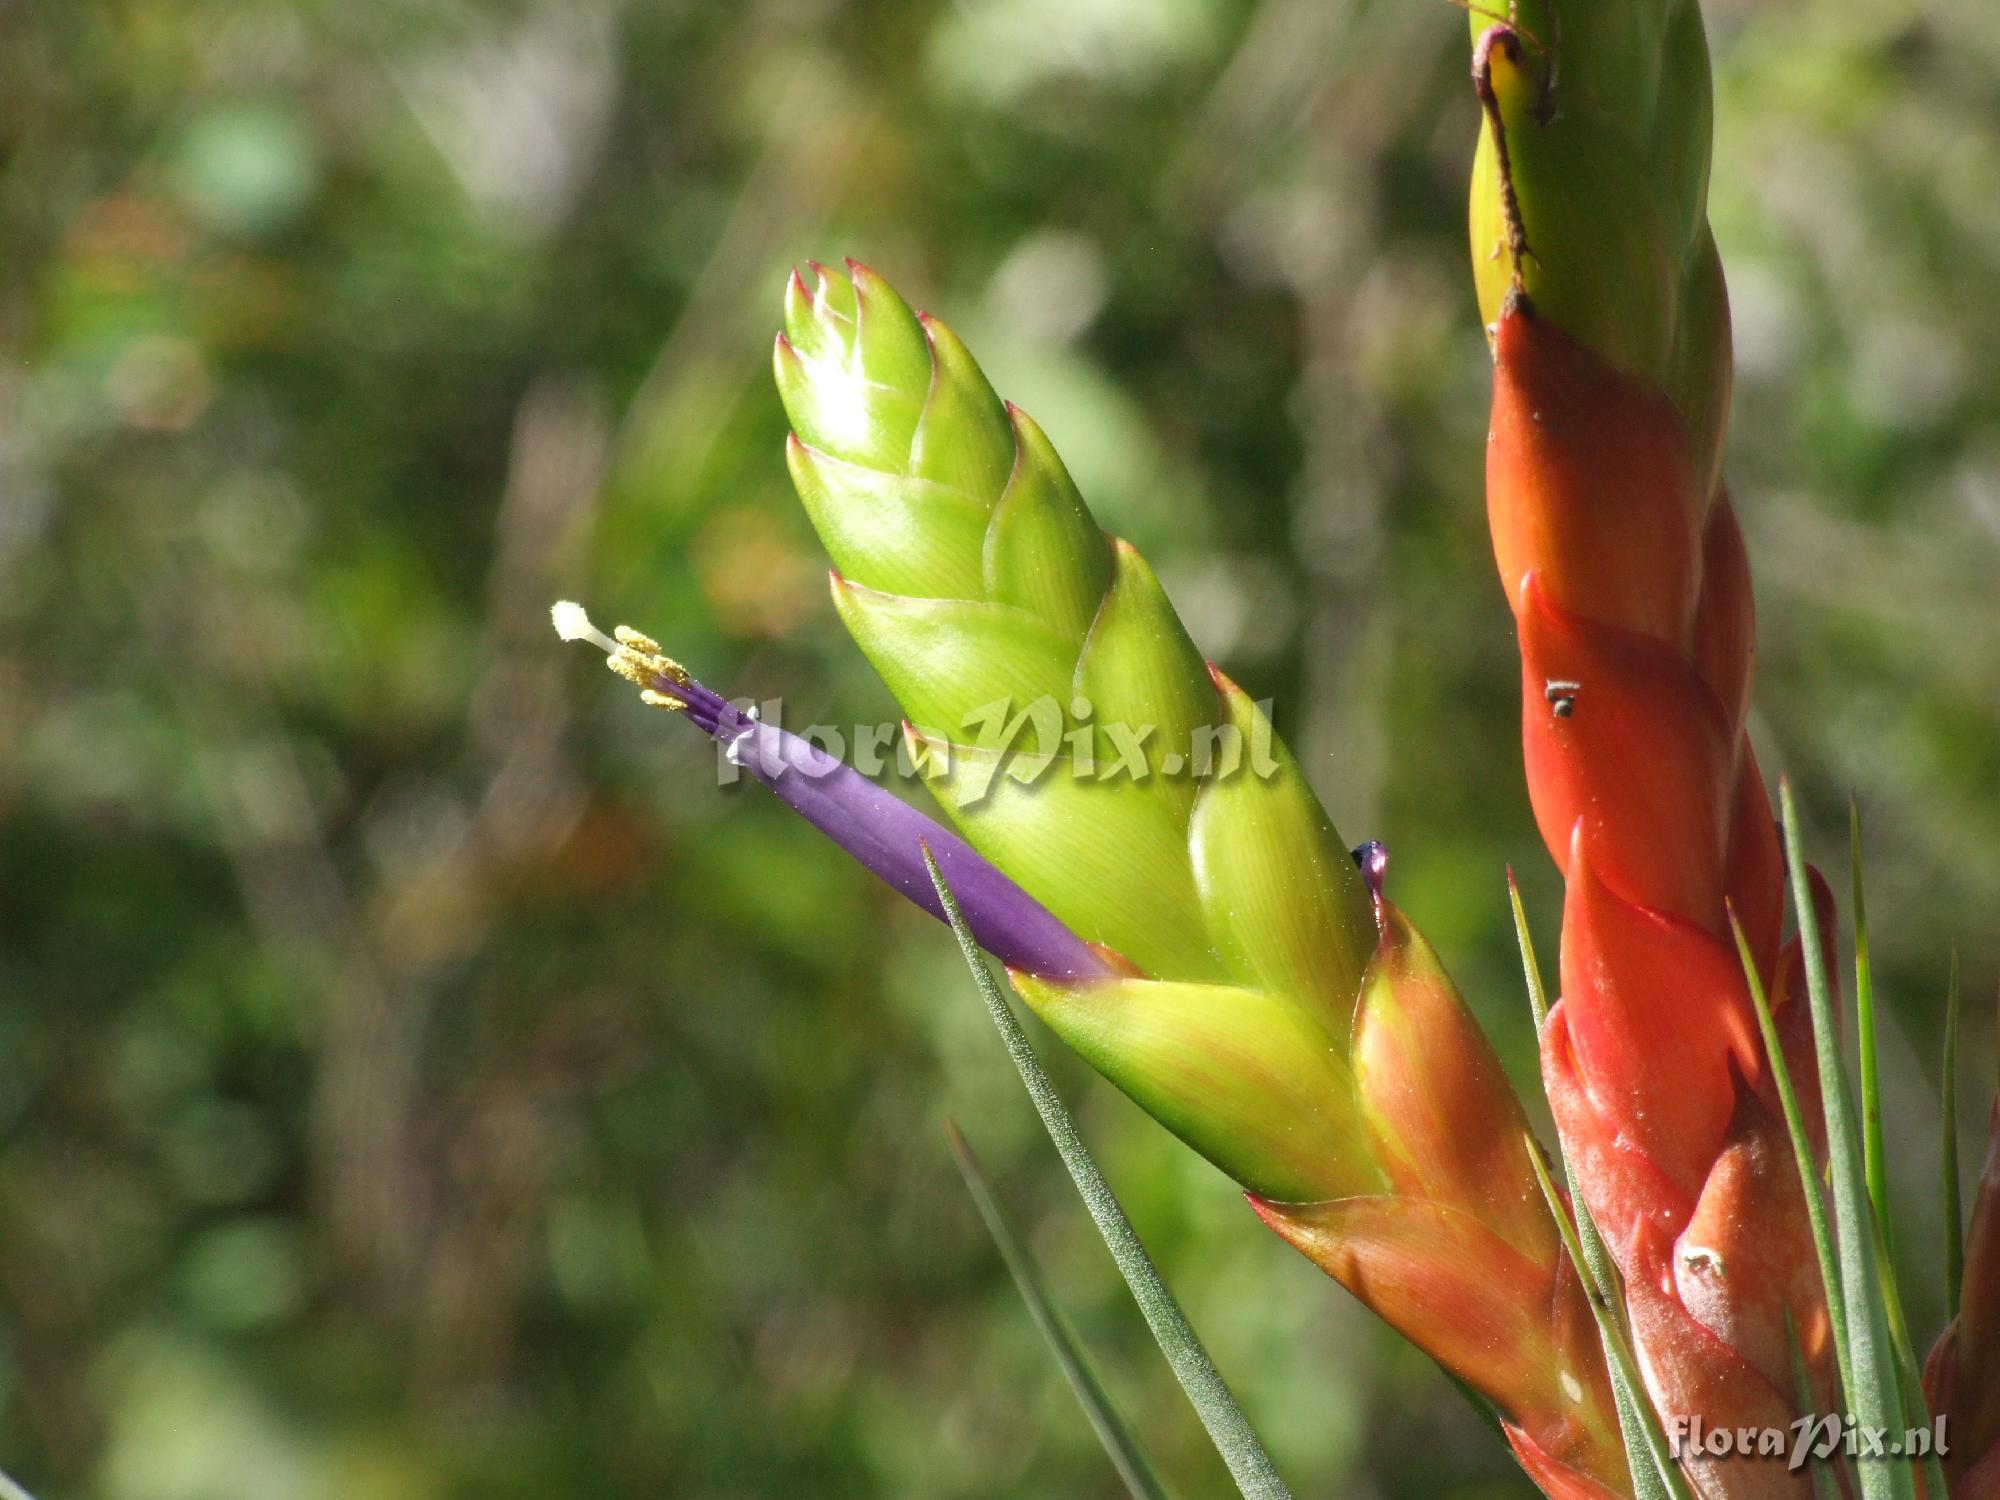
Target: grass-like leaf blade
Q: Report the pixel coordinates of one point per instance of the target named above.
(1141, 1479)
(1802, 1154)
(1909, 1383)
(1909, 1376)
(1909, 1380)
(1864, 1030)
(1531, 969)
(1824, 1485)
(1249, 1465)
(1873, 1391)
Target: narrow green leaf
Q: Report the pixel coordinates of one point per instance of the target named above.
(1618, 1353)
(1634, 1406)
(1825, 1486)
(1120, 1445)
(1249, 1465)
(1909, 1378)
(1874, 1393)
(1602, 1284)
(1864, 1027)
(1909, 1385)
(1802, 1154)
(1538, 995)
(1954, 1213)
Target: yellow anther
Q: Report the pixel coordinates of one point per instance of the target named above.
(642, 669)
(661, 700)
(665, 666)
(633, 655)
(627, 636)
(632, 668)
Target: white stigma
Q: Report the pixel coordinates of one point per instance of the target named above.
(573, 624)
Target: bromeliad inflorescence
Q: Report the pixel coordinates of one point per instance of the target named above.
(1205, 941)
(1266, 1001)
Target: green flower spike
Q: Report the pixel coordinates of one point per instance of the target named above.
(1076, 735)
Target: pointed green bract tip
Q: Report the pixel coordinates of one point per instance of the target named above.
(853, 372)
(1287, 907)
(832, 291)
(1146, 686)
(963, 438)
(1041, 516)
(813, 338)
(890, 347)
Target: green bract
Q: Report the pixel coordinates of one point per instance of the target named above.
(1604, 115)
(1076, 735)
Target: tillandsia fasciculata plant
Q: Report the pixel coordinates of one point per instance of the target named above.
(1140, 850)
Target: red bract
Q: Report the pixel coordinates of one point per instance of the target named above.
(1460, 1255)
(1631, 594)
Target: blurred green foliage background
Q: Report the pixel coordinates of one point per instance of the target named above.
(417, 1079)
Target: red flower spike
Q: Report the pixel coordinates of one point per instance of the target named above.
(1625, 569)
(1587, 483)
(1659, 1020)
(1616, 731)
(1626, 1191)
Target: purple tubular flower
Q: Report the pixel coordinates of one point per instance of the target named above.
(878, 828)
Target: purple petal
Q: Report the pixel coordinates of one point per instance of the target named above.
(888, 836)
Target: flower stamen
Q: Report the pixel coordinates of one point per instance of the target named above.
(631, 654)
